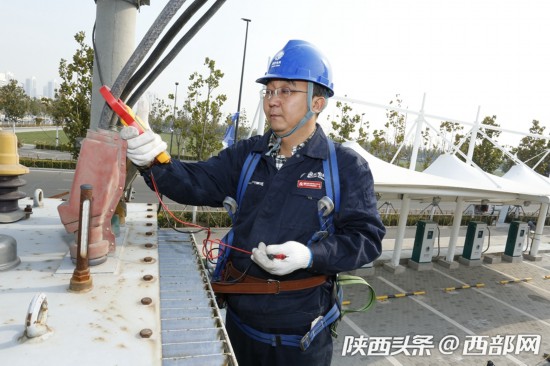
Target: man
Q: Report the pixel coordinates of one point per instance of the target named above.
(278, 215)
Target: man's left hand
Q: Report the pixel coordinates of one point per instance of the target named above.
(282, 259)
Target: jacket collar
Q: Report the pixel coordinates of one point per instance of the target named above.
(315, 148)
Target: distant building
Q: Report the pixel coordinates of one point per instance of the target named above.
(49, 90)
(30, 87)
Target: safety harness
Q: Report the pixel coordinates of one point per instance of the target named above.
(328, 206)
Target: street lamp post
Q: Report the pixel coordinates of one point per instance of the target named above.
(174, 118)
(241, 86)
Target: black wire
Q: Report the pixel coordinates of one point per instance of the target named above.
(98, 64)
(161, 47)
(488, 240)
(108, 119)
(173, 226)
(174, 52)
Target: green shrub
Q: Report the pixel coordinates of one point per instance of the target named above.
(47, 163)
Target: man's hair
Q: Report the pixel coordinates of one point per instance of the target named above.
(320, 91)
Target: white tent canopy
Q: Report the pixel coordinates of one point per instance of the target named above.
(448, 178)
(453, 180)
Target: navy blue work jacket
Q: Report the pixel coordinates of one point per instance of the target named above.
(277, 208)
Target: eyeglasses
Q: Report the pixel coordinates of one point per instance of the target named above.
(282, 92)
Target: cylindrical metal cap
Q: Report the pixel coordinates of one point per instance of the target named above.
(8, 253)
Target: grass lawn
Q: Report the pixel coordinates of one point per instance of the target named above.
(48, 138)
(41, 137)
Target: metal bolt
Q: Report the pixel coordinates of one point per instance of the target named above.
(149, 216)
(148, 224)
(28, 211)
(148, 245)
(146, 301)
(148, 277)
(146, 333)
(149, 233)
(148, 259)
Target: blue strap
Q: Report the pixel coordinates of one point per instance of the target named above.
(302, 342)
(223, 255)
(332, 179)
(246, 173)
(332, 187)
(334, 175)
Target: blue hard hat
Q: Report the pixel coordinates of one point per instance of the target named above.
(300, 60)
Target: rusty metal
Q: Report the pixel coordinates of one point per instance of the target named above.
(146, 333)
(148, 259)
(101, 163)
(148, 277)
(28, 211)
(146, 301)
(81, 280)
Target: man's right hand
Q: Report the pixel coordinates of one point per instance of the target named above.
(142, 149)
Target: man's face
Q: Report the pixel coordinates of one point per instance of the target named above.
(285, 111)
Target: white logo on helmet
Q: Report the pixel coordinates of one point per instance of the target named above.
(277, 59)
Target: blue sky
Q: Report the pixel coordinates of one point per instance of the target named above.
(491, 54)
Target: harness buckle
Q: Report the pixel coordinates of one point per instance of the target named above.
(278, 283)
(304, 342)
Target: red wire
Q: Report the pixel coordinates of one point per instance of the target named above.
(205, 242)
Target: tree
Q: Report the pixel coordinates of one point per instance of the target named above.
(451, 131)
(158, 120)
(531, 149)
(13, 101)
(429, 150)
(486, 155)
(204, 135)
(395, 127)
(379, 146)
(344, 123)
(73, 98)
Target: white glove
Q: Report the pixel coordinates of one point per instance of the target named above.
(294, 256)
(142, 149)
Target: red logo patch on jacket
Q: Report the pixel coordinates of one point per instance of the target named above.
(310, 184)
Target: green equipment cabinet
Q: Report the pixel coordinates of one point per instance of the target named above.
(517, 233)
(473, 244)
(424, 241)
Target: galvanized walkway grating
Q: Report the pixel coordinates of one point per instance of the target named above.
(192, 329)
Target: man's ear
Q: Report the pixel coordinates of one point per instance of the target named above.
(318, 104)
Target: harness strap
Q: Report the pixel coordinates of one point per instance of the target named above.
(253, 285)
(292, 340)
(344, 280)
(332, 178)
(246, 173)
